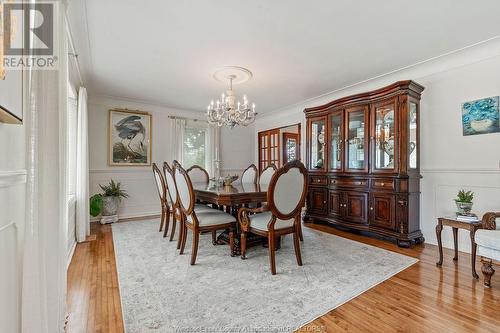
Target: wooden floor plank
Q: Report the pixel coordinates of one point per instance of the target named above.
(422, 298)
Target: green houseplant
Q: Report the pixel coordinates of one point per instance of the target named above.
(107, 202)
(464, 201)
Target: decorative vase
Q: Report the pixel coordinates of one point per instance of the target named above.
(110, 206)
(463, 207)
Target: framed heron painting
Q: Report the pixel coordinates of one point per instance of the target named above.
(129, 138)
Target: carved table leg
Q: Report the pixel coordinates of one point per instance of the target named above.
(488, 272)
(455, 243)
(473, 255)
(439, 229)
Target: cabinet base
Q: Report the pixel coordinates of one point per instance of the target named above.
(403, 240)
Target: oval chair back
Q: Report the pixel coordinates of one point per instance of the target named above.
(249, 176)
(184, 190)
(160, 183)
(287, 190)
(267, 174)
(171, 189)
(197, 174)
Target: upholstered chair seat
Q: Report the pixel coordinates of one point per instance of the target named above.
(202, 207)
(487, 244)
(211, 217)
(261, 221)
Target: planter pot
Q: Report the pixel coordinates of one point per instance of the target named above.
(110, 206)
(464, 207)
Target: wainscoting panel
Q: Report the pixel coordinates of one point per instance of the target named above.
(12, 204)
(139, 184)
(439, 189)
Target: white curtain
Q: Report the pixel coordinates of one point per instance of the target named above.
(212, 151)
(43, 303)
(176, 129)
(82, 170)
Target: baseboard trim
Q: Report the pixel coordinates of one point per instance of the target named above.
(71, 253)
(128, 218)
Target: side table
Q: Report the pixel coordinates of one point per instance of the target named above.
(455, 225)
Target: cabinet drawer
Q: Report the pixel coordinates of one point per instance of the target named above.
(349, 182)
(383, 184)
(318, 180)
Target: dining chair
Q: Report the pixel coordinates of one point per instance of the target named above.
(249, 175)
(172, 195)
(162, 193)
(282, 213)
(199, 221)
(174, 199)
(198, 174)
(267, 174)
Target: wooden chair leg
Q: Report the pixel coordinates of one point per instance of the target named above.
(214, 237)
(243, 245)
(162, 221)
(167, 222)
(272, 250)
(194, 250)
(231, 241)
(181, 233)
(184, 237)
(300, 231)
(174, 224)
(296, 245)
(488, 272)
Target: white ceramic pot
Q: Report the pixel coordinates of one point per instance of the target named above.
(481, 125)
(110, 206)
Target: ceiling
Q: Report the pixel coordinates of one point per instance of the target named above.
(165, 51)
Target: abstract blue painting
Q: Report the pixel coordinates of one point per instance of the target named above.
(481, 116)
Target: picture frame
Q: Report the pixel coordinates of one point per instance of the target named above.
(481, 116)
(129, 138)
(11, 84)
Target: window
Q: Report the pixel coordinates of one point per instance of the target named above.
(195, 143)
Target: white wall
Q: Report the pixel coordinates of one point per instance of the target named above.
(449, 161)
(237, 149)
(12, 196)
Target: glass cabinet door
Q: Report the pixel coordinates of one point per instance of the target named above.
(385, 136)
(317, 141)
(413, 136)
(336, 140)
(356, 144)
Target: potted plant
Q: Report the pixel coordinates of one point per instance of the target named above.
(108, 202)
(464, 201)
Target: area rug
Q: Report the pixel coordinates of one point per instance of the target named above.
(161, 292)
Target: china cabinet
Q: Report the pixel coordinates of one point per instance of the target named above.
(363, 160)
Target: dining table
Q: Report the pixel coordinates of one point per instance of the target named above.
(231, 198)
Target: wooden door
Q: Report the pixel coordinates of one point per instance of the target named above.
(335, 204)
(291, 147)
(317, 203)
(383, 210)
(269, 146)
(356, 206)
(356, 139)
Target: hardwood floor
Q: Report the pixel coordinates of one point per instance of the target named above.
(422, 298)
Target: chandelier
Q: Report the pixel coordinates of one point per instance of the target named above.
(226, 111)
